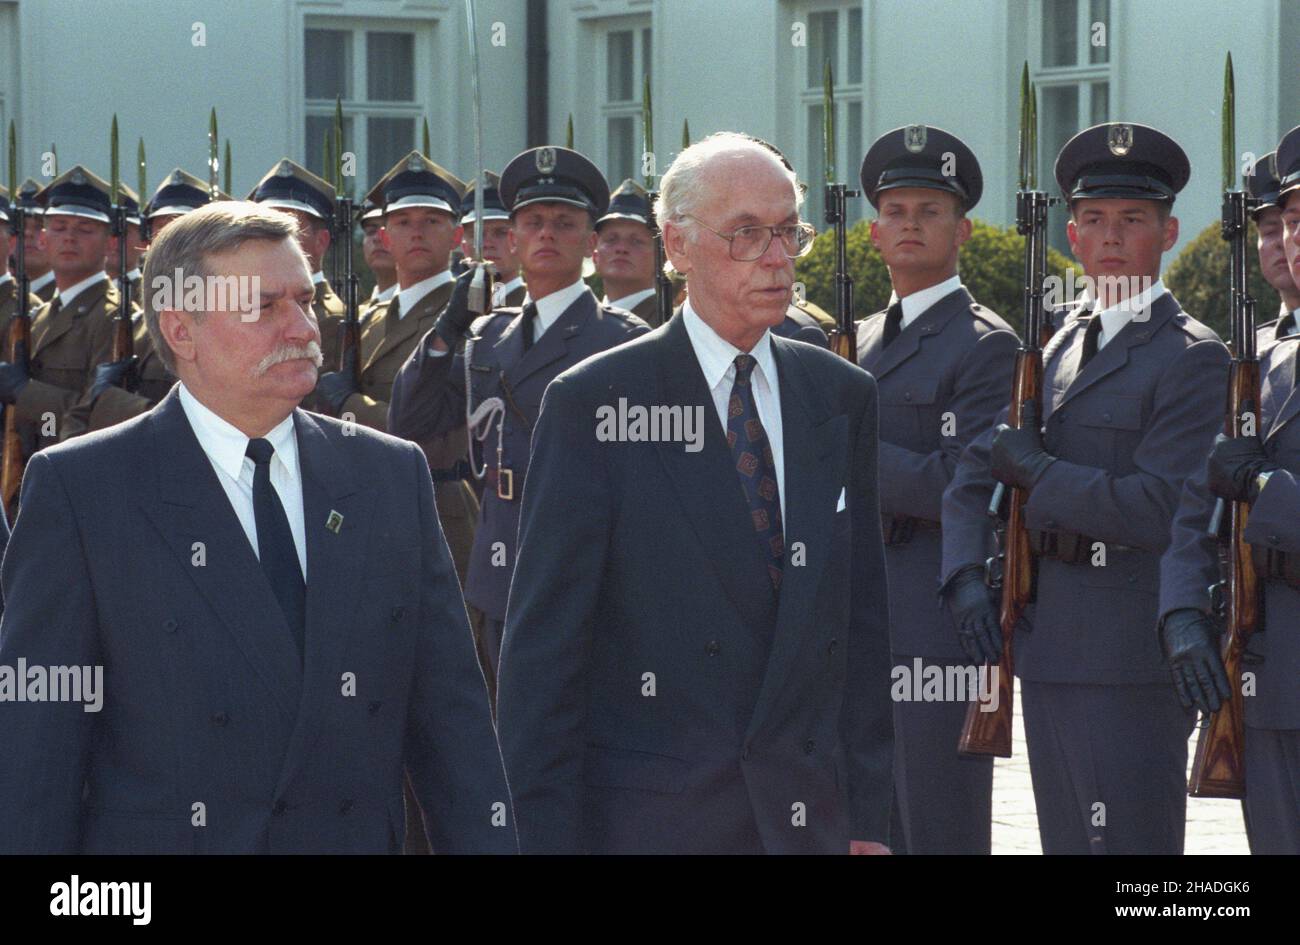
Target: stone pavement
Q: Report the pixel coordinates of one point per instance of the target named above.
(1213, 826)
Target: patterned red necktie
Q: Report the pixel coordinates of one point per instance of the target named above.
(756, 469)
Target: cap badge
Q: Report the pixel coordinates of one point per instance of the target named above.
(176, 178)
(413, 163)
(914, 138)
(284, 169)
(545, 160)
(1119, 138)
(77, 177)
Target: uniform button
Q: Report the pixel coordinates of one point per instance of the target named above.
(280, 807)
(907, 395)
(374, 707)
(713, 648)
(1273, 539)
(1132, 578)
(1106, 417)
(220, 718)
(808, 746)
(832, 645)
(170, 625)
(345, 806)
(397, 613)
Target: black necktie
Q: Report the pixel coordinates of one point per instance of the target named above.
(530, 318)
(893, 324)
(278, 554)
(1091, 335)
(755, 466)
(393, 317)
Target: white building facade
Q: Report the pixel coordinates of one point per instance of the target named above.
(272, 69)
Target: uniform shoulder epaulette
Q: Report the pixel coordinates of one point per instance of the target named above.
(623, 315)
(494, 316)
(988, 316)
(1192, 327)
(821, 318)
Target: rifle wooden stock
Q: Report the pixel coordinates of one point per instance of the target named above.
(13, 461)
(1219, 765)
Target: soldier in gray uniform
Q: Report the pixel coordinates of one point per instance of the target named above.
(555, 196)
(1263, 470)
(943, 364)
(1263, 186)
(1133, 395)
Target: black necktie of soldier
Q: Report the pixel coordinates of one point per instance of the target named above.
(529, 324)
(756, 468)
(893, 324)
(275, 547)
(1091, 337)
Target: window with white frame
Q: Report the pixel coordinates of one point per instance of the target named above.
(377, 71)
(1072, 75)
(626, 48)
(834, 33)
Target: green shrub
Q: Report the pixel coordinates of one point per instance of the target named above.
(1199, 279)
(991, 265)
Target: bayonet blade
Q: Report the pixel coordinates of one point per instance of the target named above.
(424, 136)
(1229, 127)
(828, 120)
(686, 134)
(338, 146)
(141, 177)
(568, 133)
(115, 187)
(1033, 136)
(225, 167)
(1024, 127)
(212, 153)
(13, 163)
(647, 133)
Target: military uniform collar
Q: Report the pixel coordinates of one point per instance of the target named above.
(317, 277)
(551, 307)
(1117, 316)
(917, 304)
(409, 298)
(36, 285)
(630, 302)
(66, 298)
(503, 289)
(384, 296)
(7, 277)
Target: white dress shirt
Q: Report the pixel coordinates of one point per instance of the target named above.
(1117, 316)
(502, 289)
(916, 304)
(410, 297)
(551, 307)
(225, 447)
(629, 302)
(70, 296)
(37, 284)
(382, 297)
(717, 359)
(7, 277)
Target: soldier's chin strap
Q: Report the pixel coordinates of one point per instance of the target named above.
(479, 420)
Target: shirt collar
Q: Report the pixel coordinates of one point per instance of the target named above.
(226, 446)
(505, 288)
(7, 277)
(717, 355)
(317, 277)
(917, 303)
(1119, 315)
(410, 297)
(377, 296)
(551, 307)
(37, 284)
(629, 302)
(68, 297)
(134, 274)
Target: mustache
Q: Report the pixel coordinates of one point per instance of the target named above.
(309, 351)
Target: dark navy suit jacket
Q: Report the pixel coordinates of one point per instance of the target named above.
(213, 736)
(655, 694)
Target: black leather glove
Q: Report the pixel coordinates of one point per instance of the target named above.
(970, 602)
(456, 318)
(1234, 463)
(1018, 456)
(13, 376)
(335, 387)
(113, 374)
(1191, 644)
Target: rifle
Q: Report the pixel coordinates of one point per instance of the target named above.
(1219, 766)
(225, 167)
(480, 288)
(350, 349)
(663, 285)
(142, 181)
(213, 164)
(844, 337)
(17, 341)
(989, 732)
(123, 342)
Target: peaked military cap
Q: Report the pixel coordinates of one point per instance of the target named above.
(415, 181)
(77, 193)
(554, 175)
(369, 212)
(1288, 164)
(629, 202)
(922, 156)
(493, 208)
(28, 191)
(1123, 160)
(290, 186)
(178, 194)
(1263, 184)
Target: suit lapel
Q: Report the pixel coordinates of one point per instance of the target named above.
(192, 513)
(814, 444)
(554, 343)
(707, 484)
(334, 560)
(1116, 352)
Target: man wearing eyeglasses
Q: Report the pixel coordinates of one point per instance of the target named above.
(696, 653)
(554, 196)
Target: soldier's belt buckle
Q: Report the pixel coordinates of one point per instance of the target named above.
(505, 484)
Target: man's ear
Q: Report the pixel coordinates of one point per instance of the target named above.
(675, 237)
(176, 328)
(964, 227)
(1171, 232)
(1072, 234)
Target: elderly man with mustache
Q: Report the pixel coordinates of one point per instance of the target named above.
(228, 559)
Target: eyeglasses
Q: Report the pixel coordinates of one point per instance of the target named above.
(751, 242)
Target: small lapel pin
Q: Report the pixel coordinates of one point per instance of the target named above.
(334, 522)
